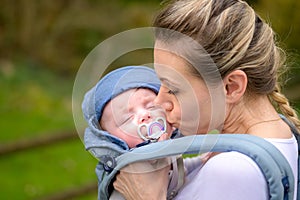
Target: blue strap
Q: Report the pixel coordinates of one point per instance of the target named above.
(268, 158)
(297, 136)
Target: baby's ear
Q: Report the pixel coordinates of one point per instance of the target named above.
(235, 84)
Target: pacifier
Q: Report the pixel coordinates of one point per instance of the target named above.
(153, 130)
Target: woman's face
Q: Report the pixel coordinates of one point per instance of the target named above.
(183, 95)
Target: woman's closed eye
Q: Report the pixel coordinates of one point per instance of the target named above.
(169, 90)
(172, 92)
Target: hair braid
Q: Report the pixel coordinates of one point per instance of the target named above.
(283, 105)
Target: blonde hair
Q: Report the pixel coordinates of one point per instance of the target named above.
(235, 37)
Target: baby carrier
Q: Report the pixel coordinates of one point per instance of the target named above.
(269, 159)
(113, 153)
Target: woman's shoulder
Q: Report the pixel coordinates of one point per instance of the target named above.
(232, 162)
(237, 175)
(229, 175)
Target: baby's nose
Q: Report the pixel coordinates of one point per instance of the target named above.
(144, 117)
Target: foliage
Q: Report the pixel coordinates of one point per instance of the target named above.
(46, 171)
(34, 102)
(59, 34)
(284, 18)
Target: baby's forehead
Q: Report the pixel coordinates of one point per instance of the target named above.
(131, 98)
(128, 100)
(134, 93)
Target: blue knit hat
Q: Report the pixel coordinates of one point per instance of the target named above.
(115, 83)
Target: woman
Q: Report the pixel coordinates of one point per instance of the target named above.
(248, 62)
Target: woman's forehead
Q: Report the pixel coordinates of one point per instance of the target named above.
(175, 75)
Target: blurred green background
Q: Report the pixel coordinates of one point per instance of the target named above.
(42, 45)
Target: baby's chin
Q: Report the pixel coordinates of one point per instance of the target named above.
(135, 142)
(138, 140)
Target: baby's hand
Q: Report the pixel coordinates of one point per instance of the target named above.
(144, 180)
(165, 136)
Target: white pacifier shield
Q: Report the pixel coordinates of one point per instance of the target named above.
(153, 129)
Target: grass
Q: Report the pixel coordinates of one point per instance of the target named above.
(33, 102)
(46, 171)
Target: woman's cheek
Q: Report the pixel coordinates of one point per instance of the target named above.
(175, 114)
(189, 116)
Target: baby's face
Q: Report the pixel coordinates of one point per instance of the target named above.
(129, 113)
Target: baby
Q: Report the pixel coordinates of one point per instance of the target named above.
(133, 117)
(122, 107)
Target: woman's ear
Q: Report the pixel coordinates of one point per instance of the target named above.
(235, 84)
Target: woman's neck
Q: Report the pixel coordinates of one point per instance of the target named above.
(249, 114)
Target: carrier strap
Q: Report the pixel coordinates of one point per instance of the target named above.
(297, 136)
(269, 159)
(177, 180)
